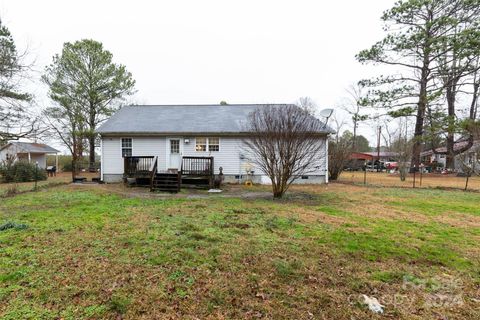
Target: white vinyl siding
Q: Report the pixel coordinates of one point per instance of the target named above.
(112, 160)
(228, 156)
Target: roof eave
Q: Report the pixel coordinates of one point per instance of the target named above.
(164, 134)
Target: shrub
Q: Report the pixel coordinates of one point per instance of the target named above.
(65, 163)
(67, 167)
(21, 171)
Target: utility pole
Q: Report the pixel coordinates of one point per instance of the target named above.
(378, 147)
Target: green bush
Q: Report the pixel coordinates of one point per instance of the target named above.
(67, 167)
(65, 163)
(21, 171)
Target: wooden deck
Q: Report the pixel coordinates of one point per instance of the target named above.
(138, 167)
(196, 172)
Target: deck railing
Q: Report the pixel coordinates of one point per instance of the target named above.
(153, 171)
(137, 165)
(197, 166)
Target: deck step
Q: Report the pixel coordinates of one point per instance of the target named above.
(168, 182)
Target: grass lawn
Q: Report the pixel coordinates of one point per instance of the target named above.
(8, 188)
(59, 179)
(88, 253)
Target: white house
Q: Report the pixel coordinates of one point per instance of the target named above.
(429, 156)
(27, 151)
(173, 133)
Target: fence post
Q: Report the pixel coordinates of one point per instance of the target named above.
(36, 175)
(414, 171)
(365, 173)
(421, 173)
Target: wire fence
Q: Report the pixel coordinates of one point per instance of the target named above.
(413, 180)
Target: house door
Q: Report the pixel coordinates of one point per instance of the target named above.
(175, 153)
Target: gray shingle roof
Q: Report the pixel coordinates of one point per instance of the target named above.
(32, 147)
(166, 119)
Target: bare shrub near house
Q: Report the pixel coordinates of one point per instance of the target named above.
(339, 149)
(285, 143)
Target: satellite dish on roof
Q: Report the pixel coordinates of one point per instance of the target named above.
(326, 113)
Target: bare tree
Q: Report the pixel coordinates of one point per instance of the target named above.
(470, 164)
(353, 105)
(68, 123)
(389, 133)
(308, 104)
(339, 150)
(285, 142)
(402, 146)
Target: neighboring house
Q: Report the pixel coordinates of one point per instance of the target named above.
(383, 156)
(358, 159)
(27, 151)
(176, 134)
(429, 157)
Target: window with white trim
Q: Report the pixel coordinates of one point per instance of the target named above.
(126, 147)
(200, 144)
(211, 144)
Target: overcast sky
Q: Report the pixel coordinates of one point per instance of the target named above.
(197, 52)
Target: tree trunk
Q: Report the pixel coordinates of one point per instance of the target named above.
(278, 194)
(473, 106)
(354, 142)
(403, 174)
(91, 142)
(91, 137)
(450, 156)
(417, 144)
(333, 176)
(422, 106)
(277, 189)
(451, 94)
(74, 161)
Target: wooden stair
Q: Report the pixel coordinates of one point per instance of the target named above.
(168, 182)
